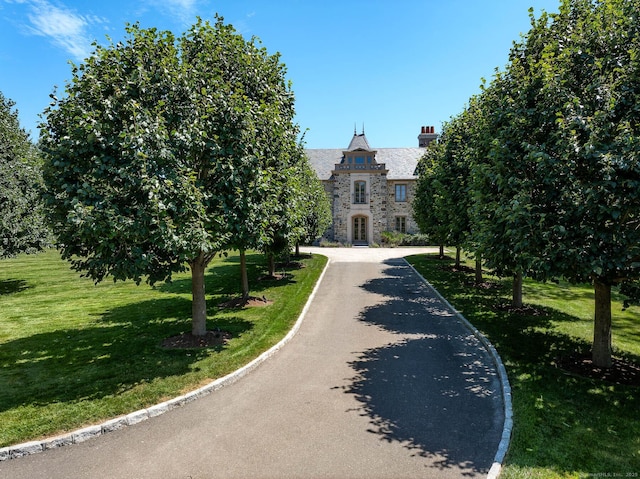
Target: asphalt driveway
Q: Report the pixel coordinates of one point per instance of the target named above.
(382, 380)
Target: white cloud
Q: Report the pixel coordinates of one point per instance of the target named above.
(185, 10)
(63, 27)
(184, 4)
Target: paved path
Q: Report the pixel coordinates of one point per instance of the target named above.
(381, 381)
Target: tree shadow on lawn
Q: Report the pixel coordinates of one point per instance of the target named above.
(557, 292)
(11, 286)
(222, 280)
(572, 420)
(120, 350)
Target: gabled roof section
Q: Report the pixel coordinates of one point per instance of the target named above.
(323, 161)
(400, 162)
(359, 142)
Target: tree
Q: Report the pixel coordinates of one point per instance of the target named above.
(303, 210)
(158, 146)
(246, 109)
(22, 222)
(513, 189)
(560, 187)
(452, 178)
(592, 72)
(315, 207)
(427, 209)
(285, 212)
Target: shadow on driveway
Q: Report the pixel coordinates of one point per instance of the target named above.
(435, 390)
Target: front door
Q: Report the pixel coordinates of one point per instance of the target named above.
(359, 229)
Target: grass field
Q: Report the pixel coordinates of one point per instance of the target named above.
(73, 353)
(565, 426)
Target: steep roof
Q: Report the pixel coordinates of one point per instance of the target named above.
(359, 142)
(401, 162)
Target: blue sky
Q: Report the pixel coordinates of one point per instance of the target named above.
(390, 65)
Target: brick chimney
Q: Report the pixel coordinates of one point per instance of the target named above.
(426, 136)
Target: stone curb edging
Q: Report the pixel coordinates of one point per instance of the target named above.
(505, 440)
(89, 432)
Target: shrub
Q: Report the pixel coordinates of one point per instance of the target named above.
(417, 239)
(392, 238)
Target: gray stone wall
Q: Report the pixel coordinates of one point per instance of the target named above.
(380, 209)
(378, 202)
(401, 208)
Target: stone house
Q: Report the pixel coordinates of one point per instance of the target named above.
(370, 189)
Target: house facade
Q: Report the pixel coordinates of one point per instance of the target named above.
(370, 189)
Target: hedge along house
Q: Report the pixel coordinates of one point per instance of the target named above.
(370, 189)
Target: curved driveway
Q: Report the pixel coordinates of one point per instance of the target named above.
(381, 381)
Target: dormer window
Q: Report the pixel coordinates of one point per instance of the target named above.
(359, 157)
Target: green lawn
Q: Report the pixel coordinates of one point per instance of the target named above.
(73, 353)
(564, 426)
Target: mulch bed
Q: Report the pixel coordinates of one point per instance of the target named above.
(244, 302)
(458, 269)
(188, 340)
(275, 277)
(486, 285)
(622, 372)
(525, 310)
(291, 265)
(439, 258)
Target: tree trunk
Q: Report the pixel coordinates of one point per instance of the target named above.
(479, 278)
(458, 250)
(441, 251)
(601, 352)
(516, 302)
(243, 274)
(297, 249)
(198, 299)
(272, 264)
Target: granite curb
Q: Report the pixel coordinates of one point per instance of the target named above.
(505, 440)
(90, 432)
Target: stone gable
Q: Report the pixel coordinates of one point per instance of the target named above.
(370, 190)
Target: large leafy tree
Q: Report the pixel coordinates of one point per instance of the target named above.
(159, 153)
(284, 207)
(502, 188)
(302, 212)
(452, 178)
(516, 192)
(314, 206)
(560, 185)
(427, 206)
(246, 109)
(462, 146)
(592, 73)
(22, 222)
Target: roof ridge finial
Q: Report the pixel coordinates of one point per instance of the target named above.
(354, 129)
(363, 128)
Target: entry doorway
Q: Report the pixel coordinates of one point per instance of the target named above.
(360, 230)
